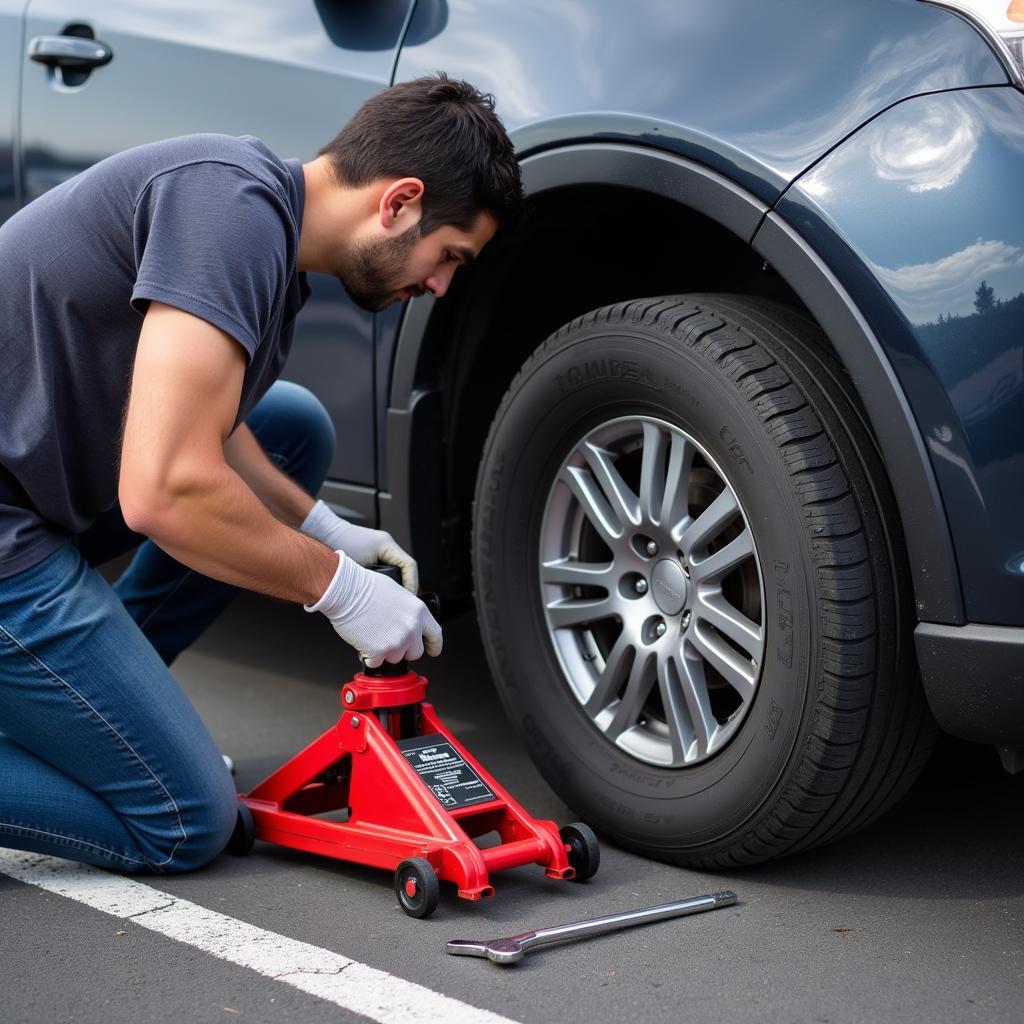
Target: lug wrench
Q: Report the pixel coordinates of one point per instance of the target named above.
(508, 951)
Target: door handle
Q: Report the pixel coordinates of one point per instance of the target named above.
(71, 52)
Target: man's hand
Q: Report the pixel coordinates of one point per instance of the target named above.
(376, 616)
(365, 546)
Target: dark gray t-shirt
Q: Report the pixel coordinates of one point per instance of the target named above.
(207, 223)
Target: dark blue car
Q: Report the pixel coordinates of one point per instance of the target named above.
(728, 439)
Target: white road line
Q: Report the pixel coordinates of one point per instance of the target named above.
(320, 972)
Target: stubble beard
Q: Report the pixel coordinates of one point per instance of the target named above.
(376, 270)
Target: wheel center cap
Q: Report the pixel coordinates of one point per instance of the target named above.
(669, 586)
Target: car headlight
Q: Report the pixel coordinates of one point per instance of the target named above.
(1002, 22)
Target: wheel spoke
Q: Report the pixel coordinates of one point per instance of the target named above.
(570, 573)
(616, 666)
(690, 669)
(676, 500)
(638, 687)
(723, 561)
(696, 534)
(594, 504)
(697, 701)
(739, 673)
(664, 475)
(677, 716)
(652, 476)
(714, 608)
(625, 505)
(568, 612)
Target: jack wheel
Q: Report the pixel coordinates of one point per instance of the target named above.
(417, 887)
(244, 836)
(584, 851)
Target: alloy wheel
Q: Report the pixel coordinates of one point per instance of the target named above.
(652, 591)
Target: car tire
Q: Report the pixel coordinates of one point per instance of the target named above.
(701, 714)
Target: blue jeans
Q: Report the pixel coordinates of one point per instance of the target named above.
(103, 758)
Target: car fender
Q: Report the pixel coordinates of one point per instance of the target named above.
(919, 217)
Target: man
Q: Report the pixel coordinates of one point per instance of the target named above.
(146, 307)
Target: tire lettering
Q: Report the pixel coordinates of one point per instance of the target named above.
(784, 611)
(617, 768)
(771, 725)
(675, 388)
(596, 371)
(625, 811)
(734, 448)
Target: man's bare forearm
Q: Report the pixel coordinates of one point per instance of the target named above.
(278, 492)
(218, 526)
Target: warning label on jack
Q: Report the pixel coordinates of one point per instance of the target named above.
(446, 774)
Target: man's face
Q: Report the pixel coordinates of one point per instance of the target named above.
(387, 268)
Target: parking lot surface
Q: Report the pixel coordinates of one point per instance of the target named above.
(919, 918)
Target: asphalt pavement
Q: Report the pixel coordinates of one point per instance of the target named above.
(919, 918)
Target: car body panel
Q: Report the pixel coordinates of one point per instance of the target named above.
(912, 214)
(973, 678)
(756, 91)
(11, 24)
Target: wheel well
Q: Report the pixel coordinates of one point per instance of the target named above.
(580, 248)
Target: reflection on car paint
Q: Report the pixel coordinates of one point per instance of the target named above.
(954, 271)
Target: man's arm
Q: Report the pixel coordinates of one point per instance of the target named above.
(290, 503)
(176, 485)
(278, 492)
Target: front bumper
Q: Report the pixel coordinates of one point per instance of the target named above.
(973, 678)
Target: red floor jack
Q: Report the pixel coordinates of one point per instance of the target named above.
(389, 786)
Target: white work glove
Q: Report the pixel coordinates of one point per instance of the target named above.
(380, 619)
(366, 546)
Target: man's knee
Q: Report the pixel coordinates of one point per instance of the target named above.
(303, 410)
(200, 826)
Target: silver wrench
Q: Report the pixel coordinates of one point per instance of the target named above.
(508, 951)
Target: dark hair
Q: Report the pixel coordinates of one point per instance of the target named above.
(442, 131)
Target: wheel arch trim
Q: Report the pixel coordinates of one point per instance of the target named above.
(922, 512)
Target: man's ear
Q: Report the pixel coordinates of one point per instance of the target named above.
(400, 205)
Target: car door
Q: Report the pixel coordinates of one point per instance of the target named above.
(10, 47)
(99, 77)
